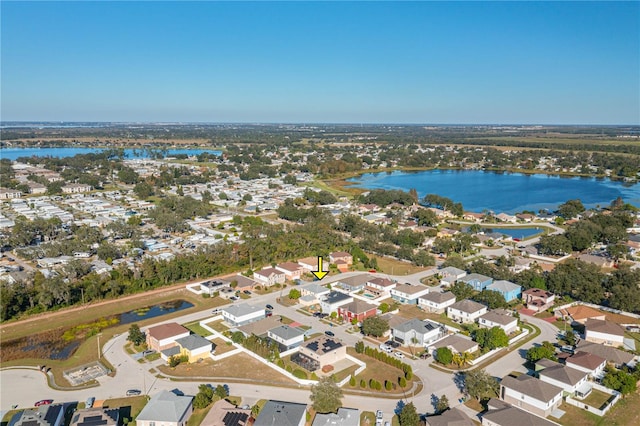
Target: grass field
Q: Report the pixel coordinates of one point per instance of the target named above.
(395, 267)
(377, 370)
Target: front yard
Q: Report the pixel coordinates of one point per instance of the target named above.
(377, 370)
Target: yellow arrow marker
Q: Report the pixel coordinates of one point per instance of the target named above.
(319, 274)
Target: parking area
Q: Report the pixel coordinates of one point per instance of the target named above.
(85, 373)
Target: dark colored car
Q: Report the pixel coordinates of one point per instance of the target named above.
(392, 343)
(329, 333)
(246, 292)
(43, 402)
(269, 307)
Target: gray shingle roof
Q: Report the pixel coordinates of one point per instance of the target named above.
(165, 406)
(503, 285)
(452, 417)
(530, 386)
(193, 341)
(344, 417)
(498, 318)
(507, 415)
(607, 352)
(468, 306)
(280, 413)
(417, 325)
(437, 297)
(564, 374)
(242, 309)
(285, 332)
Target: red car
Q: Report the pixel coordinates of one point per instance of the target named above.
(43, 402)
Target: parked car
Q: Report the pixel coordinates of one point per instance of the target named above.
(134, 392)
(89, 402)
(379, 417)
(268, 314)
(269, 307)
(392, 343)
(317, 314)
(247, 292)
(43, 402)
(385, 348)
(425, 355)
(398, 354)
(234, 298)
(329, 333)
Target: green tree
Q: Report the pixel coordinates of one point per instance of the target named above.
(326, 396)
(489, 339)
(294, 294)
(481, 385)
(442, 404)
(136, 336)
(221, 391)
(374, 326)
(571, 209)
(619, 380)
(204, 396)
(443, 355)
(409, 415)
(492, 299)
(570, 338)
(546, 350)
(462, 290)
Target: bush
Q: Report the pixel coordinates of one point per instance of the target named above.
(300, 374)
(289, 368)
(387, 385)
(352, 381)
(363, 384)
(402, 382)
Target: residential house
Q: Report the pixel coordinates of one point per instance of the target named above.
(292, 271)
(589, 363)
(358, 310)
(472, 216)
(261, 327)
(605, 332)
(507, 289)
(504, 217)
(76, 188)
(242, 283)
(354, 283)
(579, 314)
(538, 300)
(323, 350)
(280, 413)
(96, 416)
(194, 347)
(418, 333)
(311, 264)
(341, 256)
(449, 275)
(457, 343)
(164, 336)
(601, 261)
(466, 311)
(493, 319)
(344, 417)
(436, 302)
(408, 294)
(45, 415)
(166, 409)
(332, 301)
(242, 313)
(224, 413)
(531, 394)
(611, 354)
(525, 217)
(36, 188)
(210, 287)
(8, 194)
(450, 417)
(477, 281)
(572, 381)
(521, 264)
(380, 286)
(287, 337)
(312, 293)
(500, 413)
(269, 276)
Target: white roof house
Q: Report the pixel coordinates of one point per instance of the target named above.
(166, 408)
(242, 314)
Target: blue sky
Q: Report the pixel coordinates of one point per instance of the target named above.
(369, 62)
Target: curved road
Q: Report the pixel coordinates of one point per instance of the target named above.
(25, 386)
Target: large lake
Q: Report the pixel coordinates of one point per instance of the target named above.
(14, 153)
(503, 192)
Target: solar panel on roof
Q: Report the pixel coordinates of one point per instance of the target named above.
(235, 418)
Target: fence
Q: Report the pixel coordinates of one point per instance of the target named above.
(596, 411)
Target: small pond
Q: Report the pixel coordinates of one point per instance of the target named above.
(520, 233)
(62, 343)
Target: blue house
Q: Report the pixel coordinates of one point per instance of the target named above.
(507, 289)
(478, 281)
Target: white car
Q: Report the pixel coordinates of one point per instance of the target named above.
(398, 355)
(385, 348)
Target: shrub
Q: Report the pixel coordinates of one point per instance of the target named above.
(300, 374)
(352, 381)
(387, 385)
(363, 384)
(402, 382)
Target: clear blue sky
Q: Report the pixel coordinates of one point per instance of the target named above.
(415, 62)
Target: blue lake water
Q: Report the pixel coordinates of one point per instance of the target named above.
(154, 311)
(14, 153)
(519, 233)
(503, 192)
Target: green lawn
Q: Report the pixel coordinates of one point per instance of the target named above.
(197, 328)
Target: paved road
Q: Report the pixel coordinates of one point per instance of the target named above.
(25, 386)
